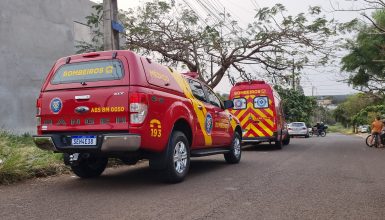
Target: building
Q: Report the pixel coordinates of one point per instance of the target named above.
(33, 35)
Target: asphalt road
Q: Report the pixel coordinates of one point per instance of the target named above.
(335, 177)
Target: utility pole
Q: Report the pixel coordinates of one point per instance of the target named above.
(293, 76)
(110, 13)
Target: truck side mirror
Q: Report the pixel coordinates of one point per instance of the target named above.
(228, 104)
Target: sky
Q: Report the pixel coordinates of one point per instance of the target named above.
(315, 81)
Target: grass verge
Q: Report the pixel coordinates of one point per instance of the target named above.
(20, 159)
(340, 129)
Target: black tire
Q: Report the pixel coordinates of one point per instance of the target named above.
(235, 154)
(323, 133)
(90, 167)
(287, 140)
(310, 134)
(278, 144)
(376, 142)
(367, 141)
(178, 158)
(307, 136)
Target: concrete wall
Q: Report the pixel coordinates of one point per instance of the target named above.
(33, 35)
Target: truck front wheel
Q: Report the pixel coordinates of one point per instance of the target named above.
(90, 167)
(234, 156)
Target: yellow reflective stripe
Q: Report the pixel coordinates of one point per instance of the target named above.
(271, 113)
(233, 122)
(266, 129)
(245, 119)
(256, 130)
(201, 114)
(265, 117)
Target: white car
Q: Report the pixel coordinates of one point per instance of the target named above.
(364, 129)
(298, 129)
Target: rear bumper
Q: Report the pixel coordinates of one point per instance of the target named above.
(105, 143)
(298, 133)
(258, 139)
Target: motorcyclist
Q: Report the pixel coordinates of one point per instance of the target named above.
(376, 127)
(320, 127)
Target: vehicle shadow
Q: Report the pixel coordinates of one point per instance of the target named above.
(260, 147)
(142, 177)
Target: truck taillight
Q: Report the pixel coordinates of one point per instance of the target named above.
(138, 108)
(38, 111)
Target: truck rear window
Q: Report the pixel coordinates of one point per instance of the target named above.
(100, 70)
(239, 103)
(261, 102)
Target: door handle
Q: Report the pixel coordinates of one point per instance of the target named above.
(82, 97)
(200, 107)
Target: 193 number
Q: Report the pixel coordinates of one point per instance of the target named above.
(156, 132)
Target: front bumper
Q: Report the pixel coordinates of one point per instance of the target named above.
(105, 143)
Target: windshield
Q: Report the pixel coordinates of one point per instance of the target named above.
(297, 124)
(100, 70)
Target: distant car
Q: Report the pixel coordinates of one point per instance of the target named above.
(298, 129)
(364, 128)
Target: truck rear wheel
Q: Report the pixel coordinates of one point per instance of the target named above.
(234, 156)
(278, 143)
(178, 158)
(287, 140)
(90, 167)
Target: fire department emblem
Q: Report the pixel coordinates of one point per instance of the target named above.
(209, 123)
(56, 105)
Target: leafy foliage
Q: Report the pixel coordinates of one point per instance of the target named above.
(365, 61)
(366, 115)
(297, 106)
(216, 46)
(95, 21)
(346, 112)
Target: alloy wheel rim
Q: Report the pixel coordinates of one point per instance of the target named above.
(180, 157)
(237, 147)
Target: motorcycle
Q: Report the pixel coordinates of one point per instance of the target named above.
(319, 132)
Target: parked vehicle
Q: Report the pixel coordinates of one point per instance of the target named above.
(99, 105)
(298, 129)
(363, 128)
(259, 109)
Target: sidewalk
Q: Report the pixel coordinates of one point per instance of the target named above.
(363, 135)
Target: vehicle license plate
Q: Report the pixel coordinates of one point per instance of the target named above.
(83, 140)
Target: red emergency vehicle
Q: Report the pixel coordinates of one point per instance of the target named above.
(259, 110)
(117, 104)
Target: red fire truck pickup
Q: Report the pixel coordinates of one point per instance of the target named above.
(99, 105)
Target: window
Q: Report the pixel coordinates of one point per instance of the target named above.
(261, 102)
(239, 103)
(197, 90)
(89, 71)
(213, 99)
(298, 124)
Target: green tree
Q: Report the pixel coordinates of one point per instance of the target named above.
(365, 61)
(297, 106)
(94, 21)
(214, 45)
(352, 106)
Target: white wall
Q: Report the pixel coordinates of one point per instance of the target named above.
(33, 35)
